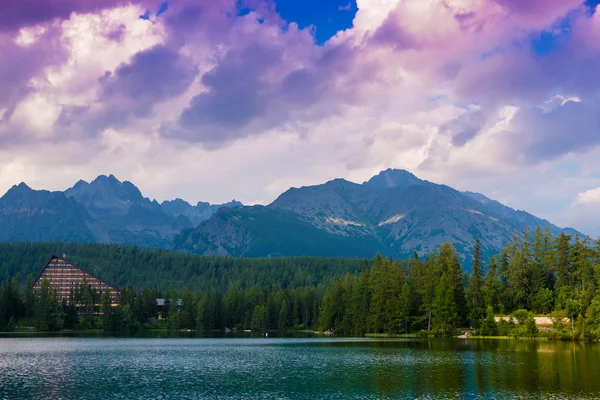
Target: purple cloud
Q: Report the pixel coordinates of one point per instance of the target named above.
(543, 136)
(152, 76)
(25, 63)
(243, 99)
(22, 13)
(465, 127)
(391, 33)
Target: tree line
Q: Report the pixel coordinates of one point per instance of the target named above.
(160, 269)
(431, 295)
(204, 312)
(535, 274)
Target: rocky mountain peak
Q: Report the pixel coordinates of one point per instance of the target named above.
(392, 178)
(19, 189)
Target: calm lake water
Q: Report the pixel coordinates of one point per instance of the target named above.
(112, 368)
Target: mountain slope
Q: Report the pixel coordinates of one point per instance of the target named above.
(31, 215)
(196, 214)
(105, 210)
(394, 213)
(260, 231)
(122, 215)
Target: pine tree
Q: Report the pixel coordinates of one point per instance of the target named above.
(379, 295)
(476, 297)
(404, 306)
(29, 296)
(563, 261)
(259, 318)
(47, 309)
(538, 268)
(448, 263)
(549, 259)
(425, 280)
(444, 308)
(518, 275)
(200, 315)
(492, 287)
(108, 317)
(281, 320)
(489, 327)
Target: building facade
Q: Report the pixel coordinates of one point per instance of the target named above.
(66, 277)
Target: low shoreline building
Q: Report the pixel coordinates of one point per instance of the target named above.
(67, 277)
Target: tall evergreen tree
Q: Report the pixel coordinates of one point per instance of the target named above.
(108, 314)
(563, 261)
(448, 263)
(281, 321)
(476, 295)
(47, 309)
(404, 306)
(444, 307)
(492, 287)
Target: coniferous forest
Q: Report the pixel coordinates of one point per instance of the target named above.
(535, 275)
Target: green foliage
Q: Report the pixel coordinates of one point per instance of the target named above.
(543, 301)
(428, 296)
(163, 270)
(47, 309)
(476, 291)
(521, 316)
(489, 327)
(259, 318)
(444, 308)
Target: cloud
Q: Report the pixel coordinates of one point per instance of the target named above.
(465, 127)
(451, 89)
(264, 82)
(591, 196)
(152, 76)
(23, 62)
(26, 13)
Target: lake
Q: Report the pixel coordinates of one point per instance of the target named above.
(307, 368)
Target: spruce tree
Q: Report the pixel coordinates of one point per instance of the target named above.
(108, 317)
(448, 263)
(492, 287)
(281, 320)
(563, 261)
(404, 306)
(200, 309)
(444, 308)
(476, 297)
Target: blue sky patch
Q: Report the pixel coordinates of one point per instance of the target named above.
(551, 40)
(164, 7)
(592, 4)
(327, 16)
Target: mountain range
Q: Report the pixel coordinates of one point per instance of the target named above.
(394, 213)
(105, 210)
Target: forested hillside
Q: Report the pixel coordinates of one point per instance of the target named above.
(540, 275)
(543, 275)
(143, 268)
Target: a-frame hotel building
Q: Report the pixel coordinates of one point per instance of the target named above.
(65, 277)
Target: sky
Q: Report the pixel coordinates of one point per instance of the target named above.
(219, 99)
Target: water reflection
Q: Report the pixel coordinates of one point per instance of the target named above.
(133, 368)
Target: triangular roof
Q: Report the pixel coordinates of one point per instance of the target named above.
(76, 266)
